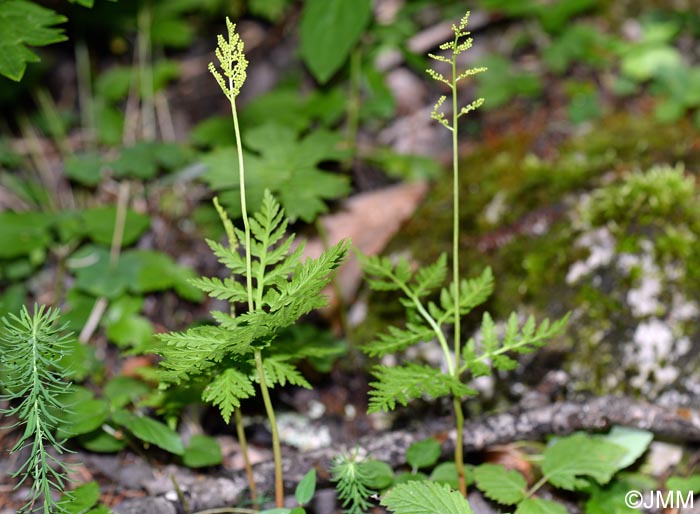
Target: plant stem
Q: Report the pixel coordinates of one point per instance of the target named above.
(249, 288)
(279, 483)
(246, 457)
(244, 209)
(459, 415)
(276, 451)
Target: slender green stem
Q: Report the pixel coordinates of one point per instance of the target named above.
(429, 319)
(536, 487)
(244, 209)
(459, 415)
(276, 451)
(251, 306)
(246, 457)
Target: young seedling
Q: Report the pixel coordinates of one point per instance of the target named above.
(29, 347)
(276, 288)
(428, 319)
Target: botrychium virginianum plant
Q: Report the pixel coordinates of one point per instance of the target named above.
(30, 346)
(275, 289)
(429, 319)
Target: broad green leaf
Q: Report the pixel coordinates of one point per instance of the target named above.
(499, 484)
(423, 454)
(279, 510)
(289, 169)
(271, 10)
(114, 83)
(378, 474)
(85, 168)
(610, 499)
(122, 390)
(643, 62)
(24, 24)
(329, 31)
(150, 431)
(503, 82)
(425, 498)
(407, 476)
(634, 440)
(446, 473)
(133, 330)
(95, 275)
(98, 225)
(144, 159)
(306, 488)
(684, 484)
(22, 233)
(100, 441)
(202, 451)
(580, 455)
(80, 499)
(538, 506)
(82, 417)
(214, 131)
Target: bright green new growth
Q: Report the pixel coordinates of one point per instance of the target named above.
(352, 483)
(428, 319)
(30, 345)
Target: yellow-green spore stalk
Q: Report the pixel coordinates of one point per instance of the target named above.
(459, 44)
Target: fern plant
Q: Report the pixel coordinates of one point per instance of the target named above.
(429, 318)
(30, 345)
(275, 289)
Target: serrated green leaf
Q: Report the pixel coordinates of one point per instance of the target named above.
(24, 24)
(289, 168)
(611, 499)
(227, 390)
(446, 473)
(201, 452)
(579, 455)
(278, 371)
(396, 339)
(499, 484)
(150, 431)
(425, 498)
(306, 487)
(423, 454)
(404, 383)
(538, 506)
(431, 277)
(634, 440)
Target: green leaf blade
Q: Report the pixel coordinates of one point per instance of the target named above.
(329, 31)
(507, 487)
(24, 24)
(425, 498)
